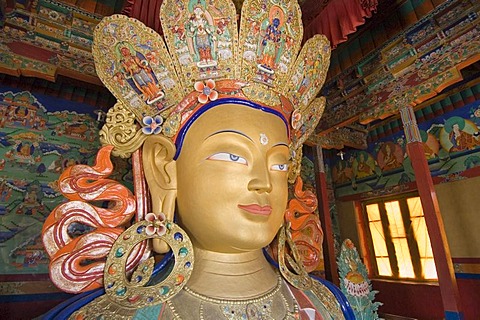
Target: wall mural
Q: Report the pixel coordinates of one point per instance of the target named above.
(452, 148)
(38, 140)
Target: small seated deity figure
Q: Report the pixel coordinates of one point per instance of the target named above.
(211, 180)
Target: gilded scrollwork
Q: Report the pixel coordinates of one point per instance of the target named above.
(121, 131)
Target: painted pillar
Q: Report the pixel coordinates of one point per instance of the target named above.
(433, 218)
(331, 271)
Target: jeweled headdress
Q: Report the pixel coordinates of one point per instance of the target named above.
(207, 59)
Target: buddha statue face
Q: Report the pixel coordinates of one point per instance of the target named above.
(232, 178)
(228, 186)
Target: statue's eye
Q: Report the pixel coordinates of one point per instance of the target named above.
(230, 157)
(280, 167)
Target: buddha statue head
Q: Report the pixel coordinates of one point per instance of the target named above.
(224, 139)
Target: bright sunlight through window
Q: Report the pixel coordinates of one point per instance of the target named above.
(400, 240)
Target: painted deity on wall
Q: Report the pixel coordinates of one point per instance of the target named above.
(450, 145)
(462, 135)
(431, 146)
(390, 156)
(342, 172)
(363, 165)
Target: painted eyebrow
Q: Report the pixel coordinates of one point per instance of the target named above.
(280, 144)
(230, 131)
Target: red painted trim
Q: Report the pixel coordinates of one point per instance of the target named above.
(472, 172)
(436, 230)
(409, 299)
(30, 51)
(363, 236)
(466, 260)
(470, 294)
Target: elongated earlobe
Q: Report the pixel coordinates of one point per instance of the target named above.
(161, 174)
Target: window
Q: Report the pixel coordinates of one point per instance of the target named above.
(399, 239)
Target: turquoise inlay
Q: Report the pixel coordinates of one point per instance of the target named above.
(183, 252)
(120, 252)
(148, 313)
(121, 291)
(164, 290)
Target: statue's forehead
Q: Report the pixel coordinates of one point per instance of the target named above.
(238, 112)
(255, 122)
(239, 118)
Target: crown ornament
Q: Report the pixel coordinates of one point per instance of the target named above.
(160, 83)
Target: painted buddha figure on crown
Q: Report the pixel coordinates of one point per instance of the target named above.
(212, 160)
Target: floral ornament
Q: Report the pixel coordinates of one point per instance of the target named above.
(157, 224)
(206, 90)
(152, 125)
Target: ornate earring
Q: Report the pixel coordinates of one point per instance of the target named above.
(133, 293)
(299, 278)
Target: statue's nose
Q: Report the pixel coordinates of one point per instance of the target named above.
(260, 181)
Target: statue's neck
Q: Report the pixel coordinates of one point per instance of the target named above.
(232, 276)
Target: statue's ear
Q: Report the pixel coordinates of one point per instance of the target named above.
(161, 174)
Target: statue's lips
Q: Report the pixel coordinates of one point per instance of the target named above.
(257, 209)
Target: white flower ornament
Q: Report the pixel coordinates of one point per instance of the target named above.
(156, 225)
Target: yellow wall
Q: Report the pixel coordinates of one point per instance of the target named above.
(347, 221)
(458, 203)
(459, 206)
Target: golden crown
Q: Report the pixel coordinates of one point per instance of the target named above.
(159, 90)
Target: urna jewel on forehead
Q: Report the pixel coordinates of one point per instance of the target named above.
(162, 83)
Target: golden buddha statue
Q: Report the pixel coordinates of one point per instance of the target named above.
(212, 159)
